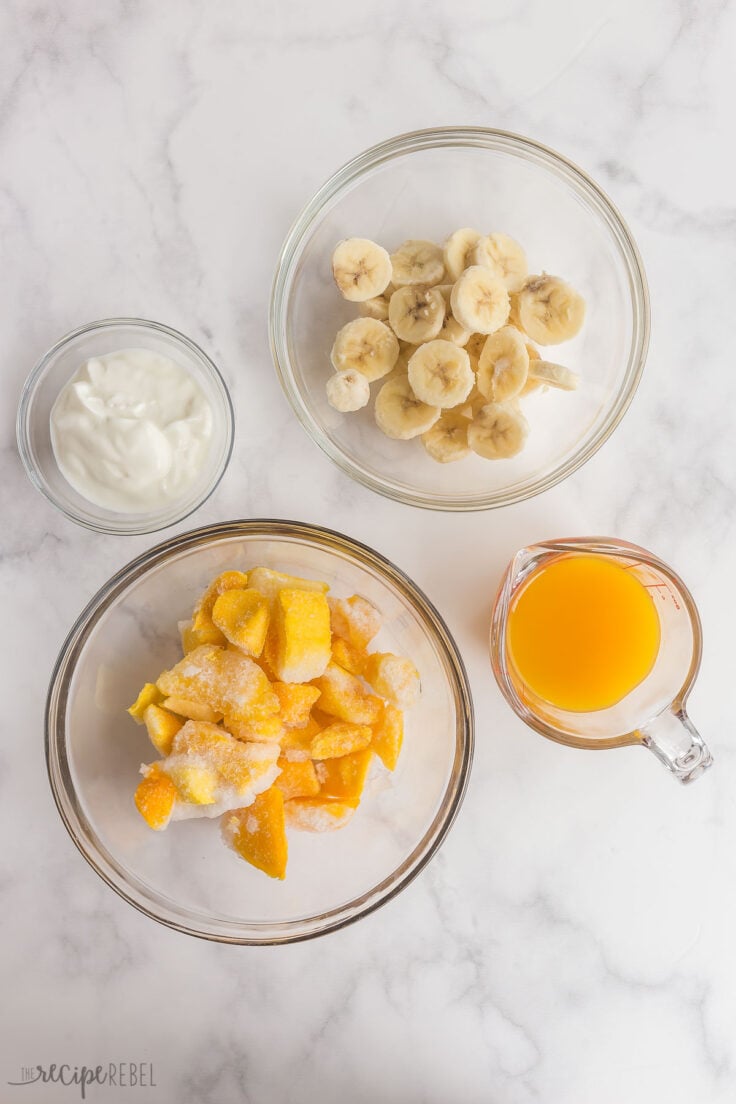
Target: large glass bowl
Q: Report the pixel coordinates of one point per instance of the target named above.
(53, 372)
(425, 185)
(185, 877)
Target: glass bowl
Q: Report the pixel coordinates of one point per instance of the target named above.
(185, 877)
(55, 369)
(425, 185)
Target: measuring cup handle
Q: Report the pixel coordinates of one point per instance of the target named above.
(677, 744)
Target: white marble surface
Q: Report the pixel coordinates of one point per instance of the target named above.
(573, 940)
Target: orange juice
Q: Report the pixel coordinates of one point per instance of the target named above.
(582, 633)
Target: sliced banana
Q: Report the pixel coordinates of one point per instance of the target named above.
(447, 440)
(531, 384)
(416, 314)
(361, 269)
(375, 308)
(504, 365)
(505, 256)
(348, 390)
(366, 345)
(480, 301)
(472, 404)
(458, 248)
(440, 374)
(417, 263)
(399, 413)
(554, 375)
(498, 431)
(550, 311)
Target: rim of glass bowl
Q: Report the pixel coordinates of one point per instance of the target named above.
(132, 889)
(126, 526)
(470, 137)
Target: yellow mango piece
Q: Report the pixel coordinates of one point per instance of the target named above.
(344, 696)
(162, 726)
(388, 735)
(222, 678)
(295, 702)
(355, 620)
(296, 743)
(202, 622)
(340, 738)
(149, 695)
(349, 657)
(242, 616)
(248, 767)
(269, 583)
(193, 711)
(343, 778)
(265, 730)
(315, 814)
(393, 677)
(192, 638)
(258, 833)
(297, 779)
(197, 785)
(155, 798)
(300, 634)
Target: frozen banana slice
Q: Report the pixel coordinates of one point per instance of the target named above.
(549, 310)
(503, 366)
(400, 414)
(458, 249)
(416, 314)
(348, 390)
(554, 375)
(377, 307)
(451, 328)
(447, 440)
(361, 269)
(440, 374)
(505, 256)
(366, 345)
(498, 431)
(415, 263)
(480, 301)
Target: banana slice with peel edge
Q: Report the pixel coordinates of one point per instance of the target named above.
(416, 314)
(366, 345)
(417, 263)
(480, 301)
(440, 374)
(549, 310)
(361, 269)
(399, 413)
(498, 431)
(504, 365)
(447, 440)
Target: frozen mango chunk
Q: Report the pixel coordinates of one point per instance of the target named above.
(388, 735)
(343, 778)
(344, 696)
(348, 656)
(340, 738)
(202, 615)
(300, 628)
(297, 779)
(192, 638)
(295, 702)
(260, 729)
(258, 833)
(315, 814)
(296, 743)
(155, 797)
(193, 711)
(393, 677)
(162, 726)
(149, 695)
(197, 785)
(355, 620)
(242, 616)
(222, 678)
(269, 583)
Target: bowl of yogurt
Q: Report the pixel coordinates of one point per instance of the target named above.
(125, 425)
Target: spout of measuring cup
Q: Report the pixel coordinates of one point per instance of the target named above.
(677, 744)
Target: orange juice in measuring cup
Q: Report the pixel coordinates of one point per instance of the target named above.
(596, 643)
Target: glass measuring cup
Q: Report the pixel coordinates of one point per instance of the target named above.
(653, 713)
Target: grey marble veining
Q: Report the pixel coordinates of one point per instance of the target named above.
(572, 942)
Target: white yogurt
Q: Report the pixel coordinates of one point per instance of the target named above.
(131, 430)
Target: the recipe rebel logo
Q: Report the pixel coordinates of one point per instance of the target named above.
(120, 1075)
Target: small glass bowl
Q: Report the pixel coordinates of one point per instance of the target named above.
(185, 877)
(425, 185)
(56, 368)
